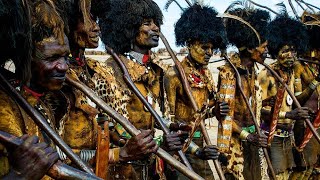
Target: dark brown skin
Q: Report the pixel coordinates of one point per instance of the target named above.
(87, 38)
(221, 110)
(303, 72)
(148, 37)
(257, 140)
(208, 152)
(200, 53)
(142, 145)
(49, 65)
(286, 56)
(256, 55)
(300, 113)
(175, 140)
(199, 56)
(139, 147)
(31, 160)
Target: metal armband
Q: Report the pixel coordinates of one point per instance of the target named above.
(192, 149)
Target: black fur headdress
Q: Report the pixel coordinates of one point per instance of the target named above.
(239, 34)
(15, 36)
(284, 30)
(121, 24)
(73, 10)
(199, 23)
(313, 30)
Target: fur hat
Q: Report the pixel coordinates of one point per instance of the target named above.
(75, 9)
(15, 36)
(284, 30)
(199, 23)
(239, 34)
(120, 26)
(313, 30)
(47, 21)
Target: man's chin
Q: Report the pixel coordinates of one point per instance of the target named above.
(55, 87)
(92, 45)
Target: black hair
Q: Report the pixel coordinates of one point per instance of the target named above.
(314, 33)
(199, 23)
(239, 34)
(15, 36)
(120, 25)
(284, 30)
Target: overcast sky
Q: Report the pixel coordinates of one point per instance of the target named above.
(172, 15)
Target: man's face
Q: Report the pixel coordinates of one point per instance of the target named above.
(148, 36)
(260, 53)
(87, 38)
(201, 52)
(49, 64)
(286, 56)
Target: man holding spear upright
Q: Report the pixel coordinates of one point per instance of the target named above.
(238, 136)
(286, 38)
(131, 28)
(202, 32)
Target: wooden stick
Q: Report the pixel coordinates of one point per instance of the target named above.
(309, 61)
(133, 131)
(58, 170)
(136, 91)
(300, 5)
(295, 100)
(265, 152)
(187, 89)
(102, 152)
(265, 7)
(42, 123)
(309, 5)
(293, 9)
(189, 3)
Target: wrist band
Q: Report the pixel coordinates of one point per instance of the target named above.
(193, 148)
(282, 115)
(172, 117)
(114, 155)
(87, 155)
(313, 85)
(244, 134)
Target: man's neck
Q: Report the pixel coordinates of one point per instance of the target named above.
(193, 63)
(77, 51)
(140, 49)
(36, 88)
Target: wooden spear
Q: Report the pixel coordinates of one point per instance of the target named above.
(264, 7)
(309, 5)
(293, 9)
(309, 61)
(42, 123)
(133, 131)
(187, 89)
(58, 170)
(295, 100)
(265, 152)
(133, 87)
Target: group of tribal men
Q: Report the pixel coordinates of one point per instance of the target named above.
(46, 41)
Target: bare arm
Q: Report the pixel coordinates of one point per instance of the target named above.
(172, 86)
